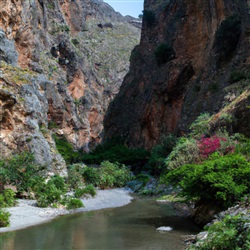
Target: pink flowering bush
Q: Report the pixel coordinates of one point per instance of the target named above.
(209, 145)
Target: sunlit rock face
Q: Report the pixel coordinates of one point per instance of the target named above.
(181, 68)
(67, 60)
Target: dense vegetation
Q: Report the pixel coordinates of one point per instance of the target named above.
(204, 167)
(231, 233)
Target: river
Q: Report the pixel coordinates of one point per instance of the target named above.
(129, 227)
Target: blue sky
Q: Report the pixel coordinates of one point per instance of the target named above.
(127, 7)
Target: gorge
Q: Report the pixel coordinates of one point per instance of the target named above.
(91, 99)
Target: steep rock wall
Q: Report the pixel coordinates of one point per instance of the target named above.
(79, 52)
(181, 68)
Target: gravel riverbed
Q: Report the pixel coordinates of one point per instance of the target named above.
(26, 213)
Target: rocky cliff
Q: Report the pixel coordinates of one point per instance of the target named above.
(193, 57)
(62, 62)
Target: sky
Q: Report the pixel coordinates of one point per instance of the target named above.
(127, 7)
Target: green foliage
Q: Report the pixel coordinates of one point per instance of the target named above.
(66, 150)
(159, 153)
(221, 179)
(201, 125)
(143, 178)
(7, 198)
(163, 53)
(115, 151)
(51, 192)
(91, 176)
(186, 151)
(88, 190)
(4, 218)
(113, 175)
(75, 176)
(74, 203)
(19, 171)
(243, 147)
(149, 17)
(231, 233)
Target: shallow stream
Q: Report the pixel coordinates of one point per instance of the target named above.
(130, 227)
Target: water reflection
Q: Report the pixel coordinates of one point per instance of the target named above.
(129, 227)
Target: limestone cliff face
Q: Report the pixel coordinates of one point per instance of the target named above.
(69, 59)
(182, 67)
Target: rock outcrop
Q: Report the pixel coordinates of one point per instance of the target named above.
(67, 61)
(188, 54)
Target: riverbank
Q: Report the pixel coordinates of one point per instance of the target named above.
(26, 213)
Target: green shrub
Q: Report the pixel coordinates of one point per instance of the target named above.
(7, 198)
(4, 218)
(243, 147)
(75, 176)
(200, 126)
(144, 178)
(19, 170)
(221, 180)
(231, 233)
(73, 203)
(149, 17)
(186, 151)
(115, 151)
(91, 176)
(51, 192)
(159, 154)
(164, 53)
(113, 175)
(66, 150)
(88, 190)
